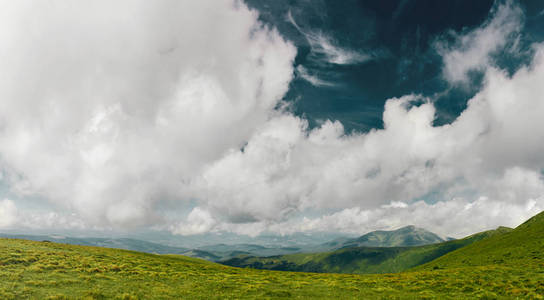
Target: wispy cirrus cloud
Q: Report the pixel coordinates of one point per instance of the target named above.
(303, 73)
(325, 49)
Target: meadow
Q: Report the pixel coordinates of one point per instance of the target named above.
(502, 266)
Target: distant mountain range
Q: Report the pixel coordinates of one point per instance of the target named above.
(362, 260)
(405, 236)
(297, 243)
(119, 243)
(211, 252)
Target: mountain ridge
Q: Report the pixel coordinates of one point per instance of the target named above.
(223, 251)
(405, 236)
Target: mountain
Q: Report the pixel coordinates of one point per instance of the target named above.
(405, 236)
(269, 245)
(235, 247)
(224, 251)
(204, 254)
(196, 241)
(119, 243)
(361, 260)
(215, 252)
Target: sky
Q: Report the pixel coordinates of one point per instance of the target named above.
(270, 117)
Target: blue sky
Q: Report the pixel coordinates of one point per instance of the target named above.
(195, 117)
(396, 40)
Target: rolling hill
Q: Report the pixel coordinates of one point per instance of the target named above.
(521, 247)
(405, 236)
(360, 260)
(118, 243)
(215, 252)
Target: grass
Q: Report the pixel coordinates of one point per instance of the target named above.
(482, 270)
(40, 270)
(522, 247)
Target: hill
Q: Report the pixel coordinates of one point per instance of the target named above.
(523, 247)
(214, 252)
(46, 270)
(405, 236)
(119, 243)
(361, 260)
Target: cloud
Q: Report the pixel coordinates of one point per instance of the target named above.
(47, 220)
(110, 109)
(487, 162)
(198, 221)
(471, 51)
(8, 213)
(455, 218)
(324, 48)
(166, 113)
(303, 73)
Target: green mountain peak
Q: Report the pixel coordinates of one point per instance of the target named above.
(405, 236)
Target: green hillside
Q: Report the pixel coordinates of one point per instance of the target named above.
(522, 247)
(360, 260)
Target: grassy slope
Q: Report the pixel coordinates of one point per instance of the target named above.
(40, 270)
(360, 260)
(522, 247)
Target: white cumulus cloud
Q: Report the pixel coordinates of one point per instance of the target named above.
(108, 108)
(493, 151)
(471, 51)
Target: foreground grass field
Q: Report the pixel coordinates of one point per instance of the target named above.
(41, 270)
(505, 266)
